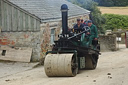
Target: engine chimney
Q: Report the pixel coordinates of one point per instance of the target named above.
(64, 10)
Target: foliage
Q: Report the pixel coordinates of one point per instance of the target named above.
(114, 21)
(112, 2)
(95, 14)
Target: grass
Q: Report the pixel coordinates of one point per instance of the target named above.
(114, 10)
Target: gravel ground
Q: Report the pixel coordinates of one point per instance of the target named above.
(112, 70)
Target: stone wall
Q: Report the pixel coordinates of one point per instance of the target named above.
(108, 42)
(23, 39)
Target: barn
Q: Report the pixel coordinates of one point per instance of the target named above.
(35, 23)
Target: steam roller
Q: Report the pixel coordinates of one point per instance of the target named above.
(71, 52)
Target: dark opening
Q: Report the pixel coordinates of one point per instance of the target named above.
(3, 52)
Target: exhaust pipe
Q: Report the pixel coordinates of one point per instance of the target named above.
(64, 10)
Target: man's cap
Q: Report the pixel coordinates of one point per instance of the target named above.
(89, 21)
(78, 19)
(82, 20)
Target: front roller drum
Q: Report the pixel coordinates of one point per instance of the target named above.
(60, 65)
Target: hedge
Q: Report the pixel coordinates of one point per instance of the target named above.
(114, 21)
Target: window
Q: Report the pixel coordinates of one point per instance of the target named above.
(52, 36)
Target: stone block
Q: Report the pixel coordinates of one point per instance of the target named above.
(108, 42)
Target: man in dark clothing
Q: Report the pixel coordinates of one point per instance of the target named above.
(78, 27)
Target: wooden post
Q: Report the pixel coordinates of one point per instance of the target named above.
(126, 39)
(0, 16)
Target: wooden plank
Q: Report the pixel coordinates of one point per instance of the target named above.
(29, 23)
(5, 16)
(35, 24)
(10, 18)
(32, 24)
(38, 26)
(8, 10)
(13, 19)
(2, 9)
(5, 23)
(19, 21)
(16, 20)
(24, 22)
(22, 54)
(126, 39)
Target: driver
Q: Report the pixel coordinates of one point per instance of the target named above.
(78, 27)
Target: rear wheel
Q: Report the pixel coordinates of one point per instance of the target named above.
(91, 62)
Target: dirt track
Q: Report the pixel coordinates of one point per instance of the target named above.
(112, 70)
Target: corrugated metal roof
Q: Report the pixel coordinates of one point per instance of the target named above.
(48, 9)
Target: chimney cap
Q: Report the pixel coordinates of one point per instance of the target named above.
(64, 7)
